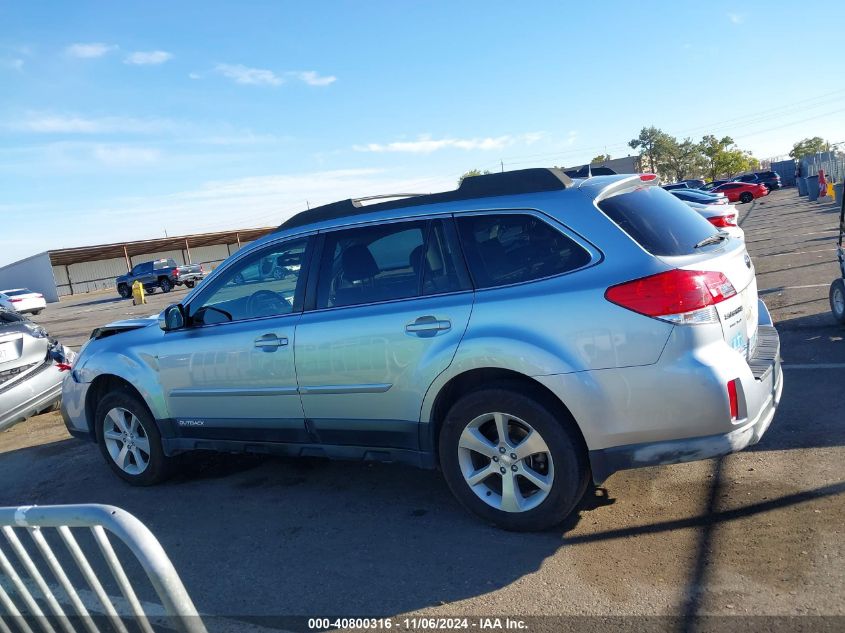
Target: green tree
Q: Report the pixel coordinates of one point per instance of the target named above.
(653, 143)
(473, 172)
(808, 146)
(711, 150)
(682, 160)
(601, 158)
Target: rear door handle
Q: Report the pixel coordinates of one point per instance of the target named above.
(270, 342)
(428, 324)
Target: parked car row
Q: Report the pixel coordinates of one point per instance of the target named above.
(714, 208)
(742, 189)
(525, 333)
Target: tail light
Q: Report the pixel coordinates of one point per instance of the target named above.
(733, 402)
(63, 366)
(15, 300)
(723, 221)
(677, 296)
(647, 177)
(174, 272)
(202, 270)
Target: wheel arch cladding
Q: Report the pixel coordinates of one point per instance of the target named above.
(494, 377)
(100, 387)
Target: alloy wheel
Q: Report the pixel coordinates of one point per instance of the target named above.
(505, 462)
(126, 441)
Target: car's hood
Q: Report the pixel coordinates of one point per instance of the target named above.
(123, 326)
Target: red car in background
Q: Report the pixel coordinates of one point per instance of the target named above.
(742, 191)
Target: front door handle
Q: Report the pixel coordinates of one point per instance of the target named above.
(270, 342)
(428, 325)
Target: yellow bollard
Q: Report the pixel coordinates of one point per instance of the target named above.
(138, 295)
(831, 191)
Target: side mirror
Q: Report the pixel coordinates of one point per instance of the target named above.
(172, 318)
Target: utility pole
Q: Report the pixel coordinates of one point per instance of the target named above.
(502, 164)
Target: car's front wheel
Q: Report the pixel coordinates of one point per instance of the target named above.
(510, 460)
(124, 291)
(837, 299)
(129, 439)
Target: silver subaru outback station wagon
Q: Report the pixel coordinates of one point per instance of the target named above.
(524, 333)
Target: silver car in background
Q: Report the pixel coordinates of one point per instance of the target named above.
(31, 366)
(524, 333)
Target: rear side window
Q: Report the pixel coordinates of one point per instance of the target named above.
(657, 221)
(514, 248)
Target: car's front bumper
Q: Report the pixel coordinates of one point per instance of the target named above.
(73, 407)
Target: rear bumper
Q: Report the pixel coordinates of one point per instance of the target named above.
(607, 461)
(676, 410)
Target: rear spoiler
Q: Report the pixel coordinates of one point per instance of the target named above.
(586, 171)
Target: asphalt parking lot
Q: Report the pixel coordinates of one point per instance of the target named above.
(755, 533)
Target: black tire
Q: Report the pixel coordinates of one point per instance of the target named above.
(165, 284)
(159, 466)
(566, 447)
(150, 289)
(124, 291)
(837, 300)
(36, 312)
(190, 284)
(745, 197)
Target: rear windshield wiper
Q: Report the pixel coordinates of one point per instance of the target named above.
(713, 239)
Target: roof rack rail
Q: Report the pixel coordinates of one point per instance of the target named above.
(388, 195)
(507, 183)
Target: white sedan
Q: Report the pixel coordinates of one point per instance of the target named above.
(722, 216)
(23, 300)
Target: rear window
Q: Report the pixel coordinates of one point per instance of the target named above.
(164, 263)
(16, 293)
(657, 221)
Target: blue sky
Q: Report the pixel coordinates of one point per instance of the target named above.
(126, 120)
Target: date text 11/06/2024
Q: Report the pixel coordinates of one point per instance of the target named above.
(418, 624)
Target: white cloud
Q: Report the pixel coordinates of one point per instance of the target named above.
(736, 18)
(125, 155)
(244, 75)
(312, 78)
(194, 76)
(146, 58)
(46, 123)
(426, 145)
(12, 64)
(88, 51)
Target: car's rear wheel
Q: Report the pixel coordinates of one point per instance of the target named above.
(745, 197)
(124, 291)
(189, 284)
(129, 439)
(508, 459)
(166, 285)
(837, 300)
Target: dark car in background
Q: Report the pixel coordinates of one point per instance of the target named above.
(160, 273)
(699, 197)
(769, 178)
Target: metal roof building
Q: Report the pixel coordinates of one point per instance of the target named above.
(70, 271)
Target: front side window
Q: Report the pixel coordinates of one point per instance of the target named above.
(264, 284)
(370, 264)
(513, 248)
